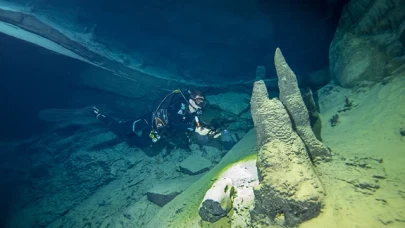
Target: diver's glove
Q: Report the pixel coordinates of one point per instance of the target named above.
(202, 131)
(205, 131)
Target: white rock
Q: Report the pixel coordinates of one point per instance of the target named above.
(217, 201)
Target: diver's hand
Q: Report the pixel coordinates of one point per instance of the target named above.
(206, 131)
(202, 131)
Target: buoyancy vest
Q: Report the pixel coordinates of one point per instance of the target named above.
(160, 118)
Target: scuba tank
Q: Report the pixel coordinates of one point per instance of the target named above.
(160, 119)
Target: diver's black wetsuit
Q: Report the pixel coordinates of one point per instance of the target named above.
(179, 119)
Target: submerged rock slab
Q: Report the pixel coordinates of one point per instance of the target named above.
(194, 165)
(289, 191)
(235, 103)
(166, 191)
(291, 98)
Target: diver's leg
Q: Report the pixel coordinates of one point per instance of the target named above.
(139, 125)
(106, 120)
(130, 127)
(123, 127)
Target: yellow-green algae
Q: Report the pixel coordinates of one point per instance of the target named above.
(182, 211)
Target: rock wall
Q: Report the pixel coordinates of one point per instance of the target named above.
(369, 42)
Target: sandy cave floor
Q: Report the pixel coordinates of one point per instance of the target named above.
(371, 130)
(369, 135)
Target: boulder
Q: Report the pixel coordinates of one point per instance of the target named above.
(291, 98)
(194, 165)
(289, 191)
(235, 103)
(217, 201)
(369, 42)
(357, 60)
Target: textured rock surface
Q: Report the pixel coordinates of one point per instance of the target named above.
(289, 192)
(291, 98)
(195, 164)
(235, 103)
(260, 120)
(369, 42)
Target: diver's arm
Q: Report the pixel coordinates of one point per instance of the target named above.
(181, 124)
(206, 131)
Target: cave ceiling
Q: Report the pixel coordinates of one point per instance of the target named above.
(174, 43)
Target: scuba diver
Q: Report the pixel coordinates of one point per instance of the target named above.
(177, 112)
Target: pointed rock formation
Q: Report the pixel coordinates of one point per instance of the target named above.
(289, 191)
(291, 98)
